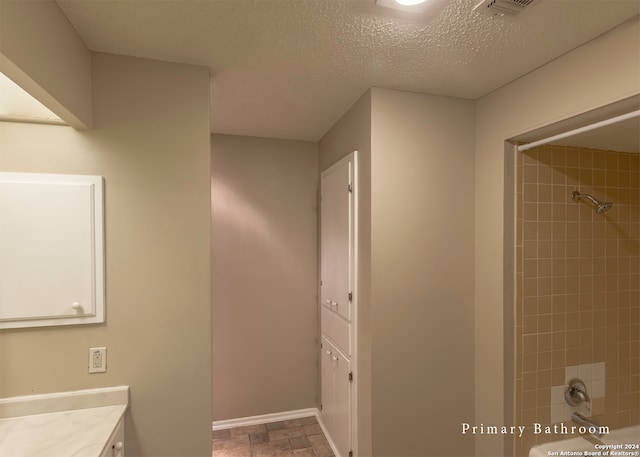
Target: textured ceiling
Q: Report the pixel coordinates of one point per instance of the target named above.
(291, 68)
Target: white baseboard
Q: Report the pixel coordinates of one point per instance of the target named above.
(327, 436)
(266, 418)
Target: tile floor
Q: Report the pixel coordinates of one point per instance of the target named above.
(290, 438)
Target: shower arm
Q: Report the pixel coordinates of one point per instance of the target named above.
(601, 207)
(577, 196)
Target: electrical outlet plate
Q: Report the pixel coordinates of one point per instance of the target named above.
(98, 360)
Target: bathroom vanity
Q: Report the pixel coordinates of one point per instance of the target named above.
(87, 423)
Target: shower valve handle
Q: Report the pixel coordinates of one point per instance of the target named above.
(576, 393)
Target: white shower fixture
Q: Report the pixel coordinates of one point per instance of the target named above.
(503, 7)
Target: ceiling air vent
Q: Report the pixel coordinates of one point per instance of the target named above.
(503, 7)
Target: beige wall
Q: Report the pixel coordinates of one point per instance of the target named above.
(150, 142)
(41, 52)
(600, 72)
(351, 133)
(415, 277)
(264, 257)
(422, 263)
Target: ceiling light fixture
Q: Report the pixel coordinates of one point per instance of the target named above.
(412, 6)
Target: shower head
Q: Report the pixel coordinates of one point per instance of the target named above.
(601, 207)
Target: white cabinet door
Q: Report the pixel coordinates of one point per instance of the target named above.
(336, 396)
(336, 237)
(115, 446)
(51, 250)
(342, 397)
(327, 387)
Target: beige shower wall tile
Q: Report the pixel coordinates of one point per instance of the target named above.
(579, 276)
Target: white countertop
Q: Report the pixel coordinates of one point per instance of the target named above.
(70, 424)
(76, 433)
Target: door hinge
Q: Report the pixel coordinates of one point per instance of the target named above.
(320, 406)
(350, 188)
(350, 453)
(351, 376)
(350, 296)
